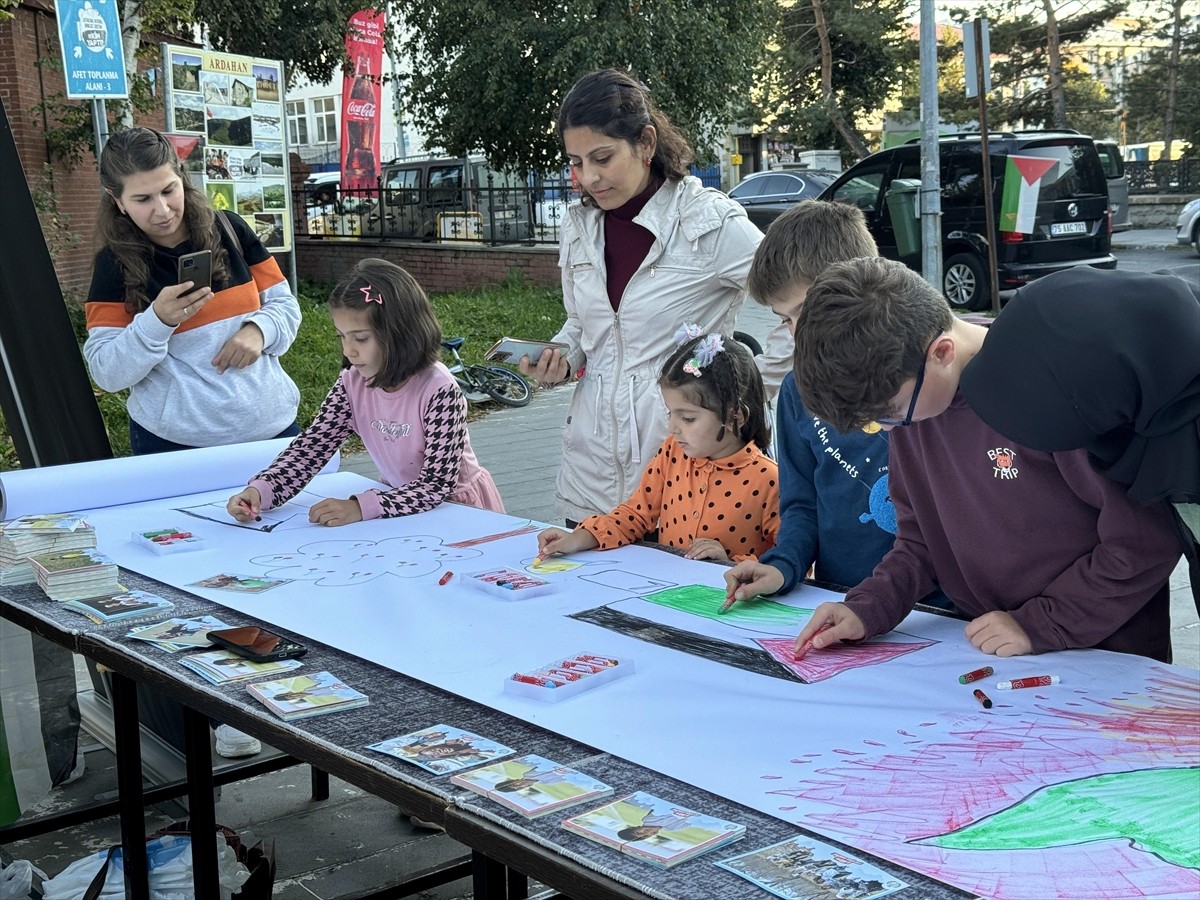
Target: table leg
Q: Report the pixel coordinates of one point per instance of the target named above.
(488, 878)
(201, 804)
(129, 786)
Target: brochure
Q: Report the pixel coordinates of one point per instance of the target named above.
(532, 785)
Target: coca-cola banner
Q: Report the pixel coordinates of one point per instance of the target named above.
(360, 101)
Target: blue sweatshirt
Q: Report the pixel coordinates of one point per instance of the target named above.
(833, 497)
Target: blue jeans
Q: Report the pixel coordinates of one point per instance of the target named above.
(144, 442)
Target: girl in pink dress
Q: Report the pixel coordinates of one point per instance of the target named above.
(397, 396)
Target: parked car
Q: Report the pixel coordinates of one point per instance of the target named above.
(330, 211)
(1189, 225)
(453, 198)
(1071, 228)
(1118, 185)
(768, 195)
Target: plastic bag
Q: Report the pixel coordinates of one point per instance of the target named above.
(170, 861)
(16, 879)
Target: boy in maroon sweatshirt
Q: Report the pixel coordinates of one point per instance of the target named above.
(1039, 550)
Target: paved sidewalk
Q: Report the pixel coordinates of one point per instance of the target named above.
(1146, 239)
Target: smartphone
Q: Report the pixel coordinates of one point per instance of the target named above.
(512, 350)
(257, 644)
(197, 268)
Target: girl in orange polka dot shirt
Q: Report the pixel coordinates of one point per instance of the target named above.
(709, 490)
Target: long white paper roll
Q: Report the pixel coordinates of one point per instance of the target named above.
(133, 479)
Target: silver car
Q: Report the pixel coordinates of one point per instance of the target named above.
(1189, 225)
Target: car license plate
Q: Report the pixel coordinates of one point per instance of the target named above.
(1058, 228)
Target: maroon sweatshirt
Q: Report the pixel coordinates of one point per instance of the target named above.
(1043, 536)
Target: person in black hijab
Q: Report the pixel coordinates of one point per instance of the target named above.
(1109, 361)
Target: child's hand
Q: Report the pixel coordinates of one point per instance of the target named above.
(556, 542)
(706, 548)
(551, 368)
(999, 634)
(830, 623)
(331, 512)
(241, 350)
(750, 578)
(245, 506)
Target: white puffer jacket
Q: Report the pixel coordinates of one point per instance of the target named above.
(695, 272)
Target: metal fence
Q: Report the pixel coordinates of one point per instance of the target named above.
(1164, 176)
(489, 214)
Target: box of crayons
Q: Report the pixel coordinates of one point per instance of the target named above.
(508, 584)
(168, 540)
(567, 677)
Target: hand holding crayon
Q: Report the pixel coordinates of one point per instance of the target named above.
(245, 505)
(830, 623)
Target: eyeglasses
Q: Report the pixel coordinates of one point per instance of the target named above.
(912, 404)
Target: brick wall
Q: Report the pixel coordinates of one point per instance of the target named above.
(33, 32)
(438, 267)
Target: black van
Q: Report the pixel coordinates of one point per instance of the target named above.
(451, 198)
(1072, 228)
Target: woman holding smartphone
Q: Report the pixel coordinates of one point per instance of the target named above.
(201, 360)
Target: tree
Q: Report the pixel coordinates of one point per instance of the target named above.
(1152, 111)
(1034, 82)
(489, 75)
(832, 65)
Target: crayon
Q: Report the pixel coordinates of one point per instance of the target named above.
(445, 578)
(532, 679)
(245, 504)
(808, 645)
(589, 668)
(565, 673)
(537, 561)
(982, 698)
(1033, 681)
(603, 660)
(730, 599)
(976, 675)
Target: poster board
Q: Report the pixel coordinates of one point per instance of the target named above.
(235, 104)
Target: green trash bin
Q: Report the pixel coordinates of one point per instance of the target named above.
(904, 212)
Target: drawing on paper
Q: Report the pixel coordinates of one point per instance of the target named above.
(499, 536)
(838, 658)
(632, 582)
(706, 601)
(292, 514)
(1107, 780)
(337, 563)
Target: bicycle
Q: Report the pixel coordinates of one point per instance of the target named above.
(482, 383)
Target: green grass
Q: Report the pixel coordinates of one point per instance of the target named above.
(482, 316)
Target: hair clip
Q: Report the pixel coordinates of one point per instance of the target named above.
(706, 352)
(685, 333)
(367, 298)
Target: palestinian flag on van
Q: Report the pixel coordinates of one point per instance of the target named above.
(1022, 184)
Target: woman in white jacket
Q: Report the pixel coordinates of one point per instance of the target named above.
(645, 249)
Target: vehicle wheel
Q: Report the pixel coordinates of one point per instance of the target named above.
(965, 282)
(503, 386)
(1196, 239)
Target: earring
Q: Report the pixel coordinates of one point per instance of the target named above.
(647, 162)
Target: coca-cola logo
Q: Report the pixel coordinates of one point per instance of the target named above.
(361, 109)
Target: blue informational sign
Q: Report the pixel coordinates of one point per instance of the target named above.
(93, 56)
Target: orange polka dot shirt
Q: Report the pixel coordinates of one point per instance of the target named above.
(734, 500)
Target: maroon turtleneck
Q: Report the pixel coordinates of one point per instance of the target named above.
(625, 242)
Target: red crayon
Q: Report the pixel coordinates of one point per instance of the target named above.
(603, 660)
(565, 673)
(532, 679)
(808, 645)
(730, 599)
(1033, 681)
(245, 504)
(445, 578)
(976, 675)
(982, 698)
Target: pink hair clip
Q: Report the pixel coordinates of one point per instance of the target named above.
(367, 298)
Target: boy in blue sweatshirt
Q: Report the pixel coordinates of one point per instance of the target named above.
(833, 499)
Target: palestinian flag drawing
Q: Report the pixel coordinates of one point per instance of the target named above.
(1022, 183)
(39, 718)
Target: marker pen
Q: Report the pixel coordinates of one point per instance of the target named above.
(1033, 681)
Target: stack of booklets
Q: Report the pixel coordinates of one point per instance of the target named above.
(655, 830)
(532, 785)
(174, 635)
(131, 606)
(29, 535)
(306, 695)
(224, 666)
(75, 574)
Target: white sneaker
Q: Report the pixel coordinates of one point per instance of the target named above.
(233, 744)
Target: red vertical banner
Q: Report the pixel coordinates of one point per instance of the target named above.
(361, 107)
